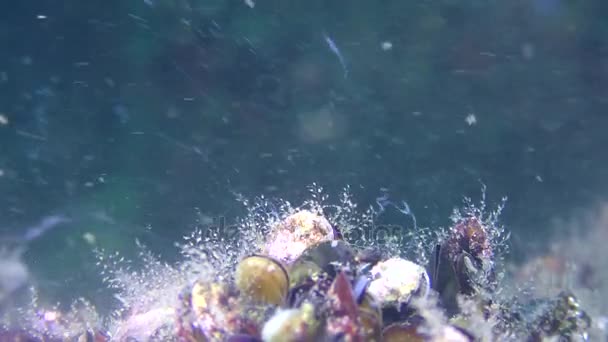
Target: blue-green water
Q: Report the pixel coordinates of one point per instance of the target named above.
(144, 119)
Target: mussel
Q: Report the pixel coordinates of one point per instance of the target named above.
(312, 274)
(347, 319)
(263, 279)
(462, 263)
(215, 312)
(402, 332)
(328, 256)
(287, 325)
(408, 332)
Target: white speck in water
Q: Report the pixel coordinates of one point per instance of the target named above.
(122, 112)
(109, 82)
(250, 3)
(272, 188)
(471, 119)
(50, 316)
(89, 238)
(602, 323)
(3, 120)
(527, 51)
(172, 112)
(386, 45)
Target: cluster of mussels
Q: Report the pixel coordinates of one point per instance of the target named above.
(306, 283)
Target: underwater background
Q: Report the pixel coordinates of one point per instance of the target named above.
(142, 120)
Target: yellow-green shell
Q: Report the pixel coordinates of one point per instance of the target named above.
(263, 279)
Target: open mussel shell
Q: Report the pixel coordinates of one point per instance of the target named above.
(463, 263)
(302, 272)
(326, 256)
(461, 275)
(263, 279)
(313, 272)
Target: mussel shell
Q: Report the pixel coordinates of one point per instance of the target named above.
(327, 256)
(360, 285)
(243, 338)
(205, 296)
(408, 332)
(299, 324)
(302, 271)
(263, 279)
(370, 256)
(402, 332)
(313, 272)
(370, 317)
(215, 312)
(310, 290)
(463, 273)
(463, 262)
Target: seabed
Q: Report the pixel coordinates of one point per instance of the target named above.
(329, 272)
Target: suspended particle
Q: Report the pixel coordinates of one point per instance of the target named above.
(386, 45)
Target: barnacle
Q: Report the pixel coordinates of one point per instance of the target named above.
(396, 280)
(292, 236)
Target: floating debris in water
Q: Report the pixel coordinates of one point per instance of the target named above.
(386, 45)
(471, 119)
(336, 51)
